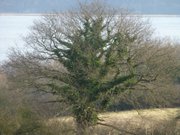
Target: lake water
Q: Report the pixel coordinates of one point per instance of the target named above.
(14, 27)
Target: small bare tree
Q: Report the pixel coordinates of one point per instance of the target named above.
(88, 56)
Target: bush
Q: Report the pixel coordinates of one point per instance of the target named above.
(29, 122)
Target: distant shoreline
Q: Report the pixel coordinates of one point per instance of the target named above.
(41, 14)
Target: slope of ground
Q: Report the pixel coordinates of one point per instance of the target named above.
(137, 122)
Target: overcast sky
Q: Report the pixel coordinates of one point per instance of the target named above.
(45, 6)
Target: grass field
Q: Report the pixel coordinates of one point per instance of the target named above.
(137, 122)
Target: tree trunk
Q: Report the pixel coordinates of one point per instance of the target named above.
(86, 118)
(82, 129)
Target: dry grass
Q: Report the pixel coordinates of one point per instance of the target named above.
(147, 122)
(140, 117)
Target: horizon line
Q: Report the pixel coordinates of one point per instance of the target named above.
(41, 14)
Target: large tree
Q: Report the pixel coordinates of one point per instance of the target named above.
(88, 56)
